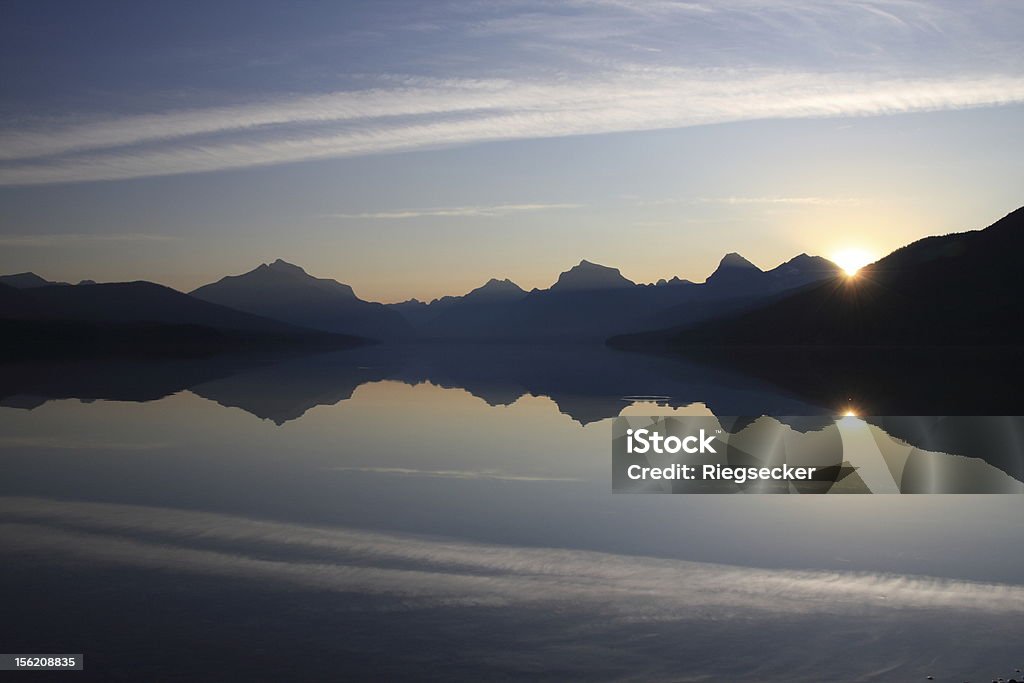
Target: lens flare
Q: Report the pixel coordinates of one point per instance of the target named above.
(852, 260)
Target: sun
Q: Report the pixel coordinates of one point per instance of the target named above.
(852, 260)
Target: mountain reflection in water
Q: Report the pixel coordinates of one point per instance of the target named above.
(386, 512)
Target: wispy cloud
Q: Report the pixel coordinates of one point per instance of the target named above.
(449, 572)
(70, 239)
(800, 201)
(456, 211)
(642, 101)
(757, 201)
(598, 67)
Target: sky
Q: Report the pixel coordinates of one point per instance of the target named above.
(416, 149)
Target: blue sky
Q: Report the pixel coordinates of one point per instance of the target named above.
(419, 148)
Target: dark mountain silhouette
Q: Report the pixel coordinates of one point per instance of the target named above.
(588, 302)
(455, 316)
(734, 272)
(26, 281)
(14, 303)
(738, 285)
(803, 269)
(736, 276)
(494, 292)
(587, 276)
(591, 302)
(127, 302)
(414, 311)
(286, 292)
(962, 289)
(135, 318)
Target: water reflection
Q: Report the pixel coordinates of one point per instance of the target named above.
(587, 383)
(389, 512)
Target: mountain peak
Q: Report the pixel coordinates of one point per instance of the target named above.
(588, 275)
(495, 283)
(27, 280)
(673, 281)
(495, 289)
(284, 291)
(805, 263)
(734, 260)
(282, 266)
(806, 258)
(274, 279)
(732, 270)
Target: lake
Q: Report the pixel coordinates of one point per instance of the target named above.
(447, 512)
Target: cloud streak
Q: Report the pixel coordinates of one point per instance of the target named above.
(457, 211)
(580, 68)
(445, 572)
(759, 201)
(452, 113)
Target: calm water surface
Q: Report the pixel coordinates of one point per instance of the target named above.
(402, 514)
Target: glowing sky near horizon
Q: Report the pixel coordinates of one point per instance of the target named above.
(418, 149)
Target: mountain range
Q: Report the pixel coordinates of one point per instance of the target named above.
(26, 281)
(590, 302)
(135, 317)
(31, 281)
(286, 292)
(957, 289)
(961, 289)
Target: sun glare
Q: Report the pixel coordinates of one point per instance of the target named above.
(852, 260)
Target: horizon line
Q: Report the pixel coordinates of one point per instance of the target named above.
(582, 261)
